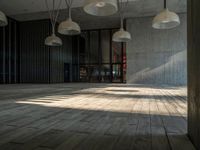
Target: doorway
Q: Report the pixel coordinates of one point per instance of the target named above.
(66, 72)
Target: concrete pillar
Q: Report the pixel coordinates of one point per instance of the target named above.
(194, 71)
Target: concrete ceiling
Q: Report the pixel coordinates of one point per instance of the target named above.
(17, 7)
(24, 10)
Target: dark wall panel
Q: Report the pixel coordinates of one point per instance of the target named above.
(26, 59)
(194, 71)
(34, 55)
(40, 63)
(9, 53)
(58, 57)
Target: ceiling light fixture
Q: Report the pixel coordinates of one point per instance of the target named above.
(100, 4)
(121, 35)
(166, 19)
(101, 7)
(53, 40)
(3, 19)
(69, 27)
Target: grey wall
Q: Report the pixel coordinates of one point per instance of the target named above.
(156, 56)
(194, 71)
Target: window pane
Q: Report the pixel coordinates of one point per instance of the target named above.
(117, 75)
(83, 73)
(105, 73)
(93, 72)
(75, 73)
(105, 46)
(89, 73)
(92, 51)
(94, 47)
(83, 48)
(124, 63)
(116, 51)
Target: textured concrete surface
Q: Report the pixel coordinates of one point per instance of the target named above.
(194, 72)
(157, 56)
(21, 11)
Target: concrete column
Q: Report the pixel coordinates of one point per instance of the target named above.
(194, 71)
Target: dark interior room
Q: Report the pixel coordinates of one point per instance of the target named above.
(99, 75)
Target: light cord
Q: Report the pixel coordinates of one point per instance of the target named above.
(69, 6)
(54, 13)
(165, 4)
(122, 5)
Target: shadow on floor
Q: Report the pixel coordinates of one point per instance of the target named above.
(35, 126)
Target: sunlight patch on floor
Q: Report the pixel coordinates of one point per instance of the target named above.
(118, 99)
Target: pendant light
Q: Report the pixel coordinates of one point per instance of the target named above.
(3, 19)
(100, 7)
(121, 35)
(69, 27)
(166, 19)
(53, 40)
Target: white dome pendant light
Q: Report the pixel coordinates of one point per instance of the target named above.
(166, 19)
(121, 35)
(53, 40)
(69, 27)
(3, 19)
(101, 7)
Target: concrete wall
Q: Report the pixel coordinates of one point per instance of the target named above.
(194, 72)
(156, 56)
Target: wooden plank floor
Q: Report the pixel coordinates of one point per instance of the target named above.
(93, 117)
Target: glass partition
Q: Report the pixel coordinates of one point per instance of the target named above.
(105, 73)
(94, 47)
(105, 46)
(97, 59)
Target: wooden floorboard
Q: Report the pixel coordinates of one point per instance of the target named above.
(93, 117)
